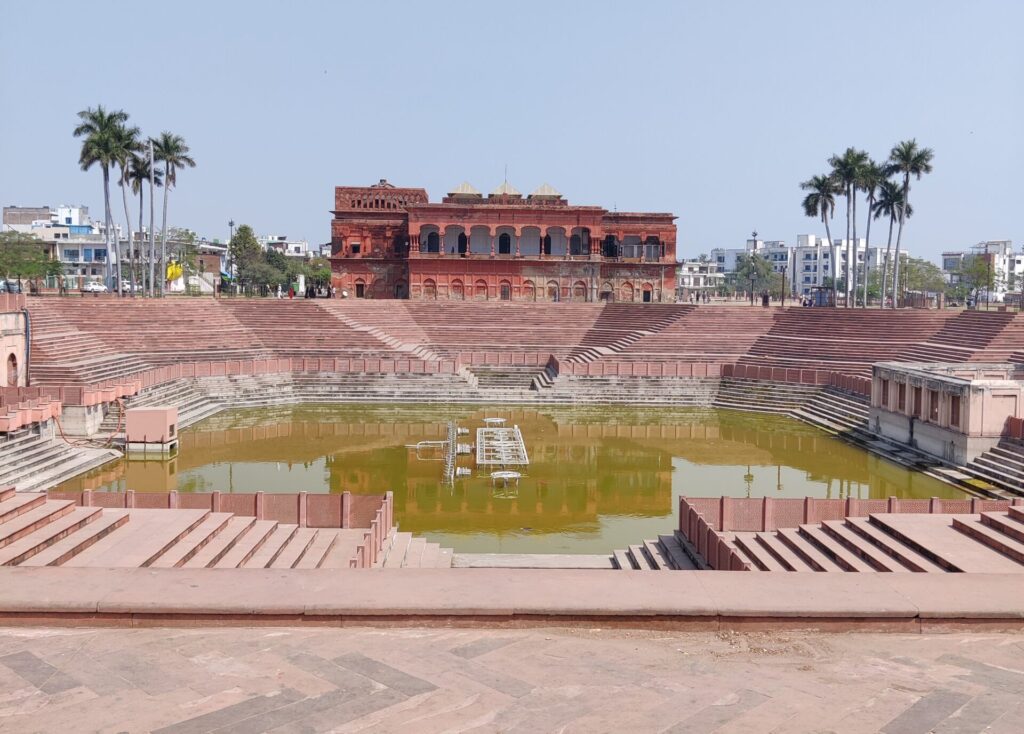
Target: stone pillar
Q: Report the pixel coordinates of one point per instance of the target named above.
(540, 246)
(440, 240)
(490, 238)
(519, 236)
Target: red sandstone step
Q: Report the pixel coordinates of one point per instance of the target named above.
(862, 547)
(892, 547)
(48, 534)
(344, 547)
(28, 522)
(936, 535)
(1016, 512)
(414, 553)
(680, 561)
(623, 560)
(431, 554)
(782, 553)
(803, 548)
(13, 504)
(295, 549)
(78, 540)
(636, 552)
(184, 549)
(759, 556)
(271, 547)
(148, 535)
(223, 542)
(1001, 522)
(318, 549)
(396, 554)
(248, 545)
(7, 493)
(835, 550)
(992, 538)
(658, 555)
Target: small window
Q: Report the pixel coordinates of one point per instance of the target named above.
(918, 407)
(884, 402)
(355, 248)
(954, 411)
(933, 406)
(901, 396)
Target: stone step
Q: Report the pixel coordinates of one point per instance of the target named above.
(680, 561)
(656, 554)
(295, 549)
(318, 549)
(532, 560)
(78, 540)
(414, 553)
(431, 554)
(991, 537)
(50, 533)
(759, 556)
(807, 551)
(147, 536)
(862, 547)
(1015, 512)
(623, 561)
(395, 557)
(892, 547)
(936, 537)
(640, 559)
(246, 546)
(271, 547)
(445, 558)
(188, 546)
(782, 553)
(28, 522)
(836, 551)
(15, 504)
(1003, 523)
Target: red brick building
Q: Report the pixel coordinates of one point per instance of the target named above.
(390, 242)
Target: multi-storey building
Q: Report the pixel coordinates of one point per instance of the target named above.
(390, 242)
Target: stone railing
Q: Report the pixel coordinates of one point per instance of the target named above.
(367, 552)
(344, 510)
(491, 358)
(642, 369)
(705, 539)
(16, 413)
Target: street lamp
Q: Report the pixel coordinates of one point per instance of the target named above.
(231, 236)
(751, 290)
(783, 286)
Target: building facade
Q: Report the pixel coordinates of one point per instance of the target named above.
(391, 242)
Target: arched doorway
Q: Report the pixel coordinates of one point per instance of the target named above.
(529, 291)
(504, 244)
(480, 288)
(546, 244)
(579, 291)
(627, 291)
(458, 292)
(401, 289)
(360, 289)
(463, 243)
(648, 293)
(552, 289)
(429, 290)
(607, 291)
(433, 242)
(505, 290)
(12, 370)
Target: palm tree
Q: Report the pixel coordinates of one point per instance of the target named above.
(138, 176)
(889, 204)
(871, 176)
(99, 129)
(908, 159)
(821, 202)
(845, 170)
(127, 145)
(174, 153)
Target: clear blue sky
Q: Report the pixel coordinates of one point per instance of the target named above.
(714, 111)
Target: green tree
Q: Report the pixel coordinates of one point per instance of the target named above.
(246, 254)
(889, 204)
(906, 159)
(99, 130)
(753, 268)
(172, 151)
(869, 178)
(977, 275)
(821, 202)
(923, 276)
(138, 175)
(846, 170)
(23, 256)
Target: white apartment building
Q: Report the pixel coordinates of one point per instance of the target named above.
(1007, 267)
(696, 277)
(288, 246)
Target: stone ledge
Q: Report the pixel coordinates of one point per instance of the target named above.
(707, 599)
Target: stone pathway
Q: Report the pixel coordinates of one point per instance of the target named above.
(505, 680)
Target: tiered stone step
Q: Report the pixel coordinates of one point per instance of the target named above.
(835, 411)
(404, 550)
(1002, 466)
(667, 553)
(38, 460)
(762, 397)
(891, 543)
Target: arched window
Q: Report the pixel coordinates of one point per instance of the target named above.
(463, 243)
(433, 242)
(457, 290)
(579, 291)
(12, 370)
(529, 291)
(552, 291)
(627, 291)
(429, 290)
(575, 245)
(480, 290)
(504, 244)
(547, 244)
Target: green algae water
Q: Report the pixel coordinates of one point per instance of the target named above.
(598, 478)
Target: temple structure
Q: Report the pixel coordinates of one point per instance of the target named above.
(390, 242)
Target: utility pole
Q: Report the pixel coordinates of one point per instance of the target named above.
(152, 229)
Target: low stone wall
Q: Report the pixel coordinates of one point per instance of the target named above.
(344, 510)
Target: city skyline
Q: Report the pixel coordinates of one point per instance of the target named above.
(715, 114)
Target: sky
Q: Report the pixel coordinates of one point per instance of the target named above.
(715, 111)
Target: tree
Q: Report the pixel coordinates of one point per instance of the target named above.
(24, 256)
(126, 145)
(172, 151)
(923, 276)
(890, 201)
(977, 275)
(845, 171)
(139, 176)
(754, 268)
(246, 253)
(906, 159)
(99, 130)
(821, 202)
(870, 177)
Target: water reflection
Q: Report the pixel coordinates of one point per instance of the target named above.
(598, 478)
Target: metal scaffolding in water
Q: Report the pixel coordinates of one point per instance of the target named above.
(500, 447)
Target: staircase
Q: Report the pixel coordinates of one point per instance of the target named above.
(405, 550)
(762, 397)
(37, 531)
(35, 458)
(1002, 465)
(891, 543)
(667, 553)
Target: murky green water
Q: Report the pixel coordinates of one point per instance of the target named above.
(598, 479)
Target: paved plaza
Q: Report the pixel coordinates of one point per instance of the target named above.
(505, 680)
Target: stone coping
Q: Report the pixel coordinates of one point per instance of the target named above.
(713, 599)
